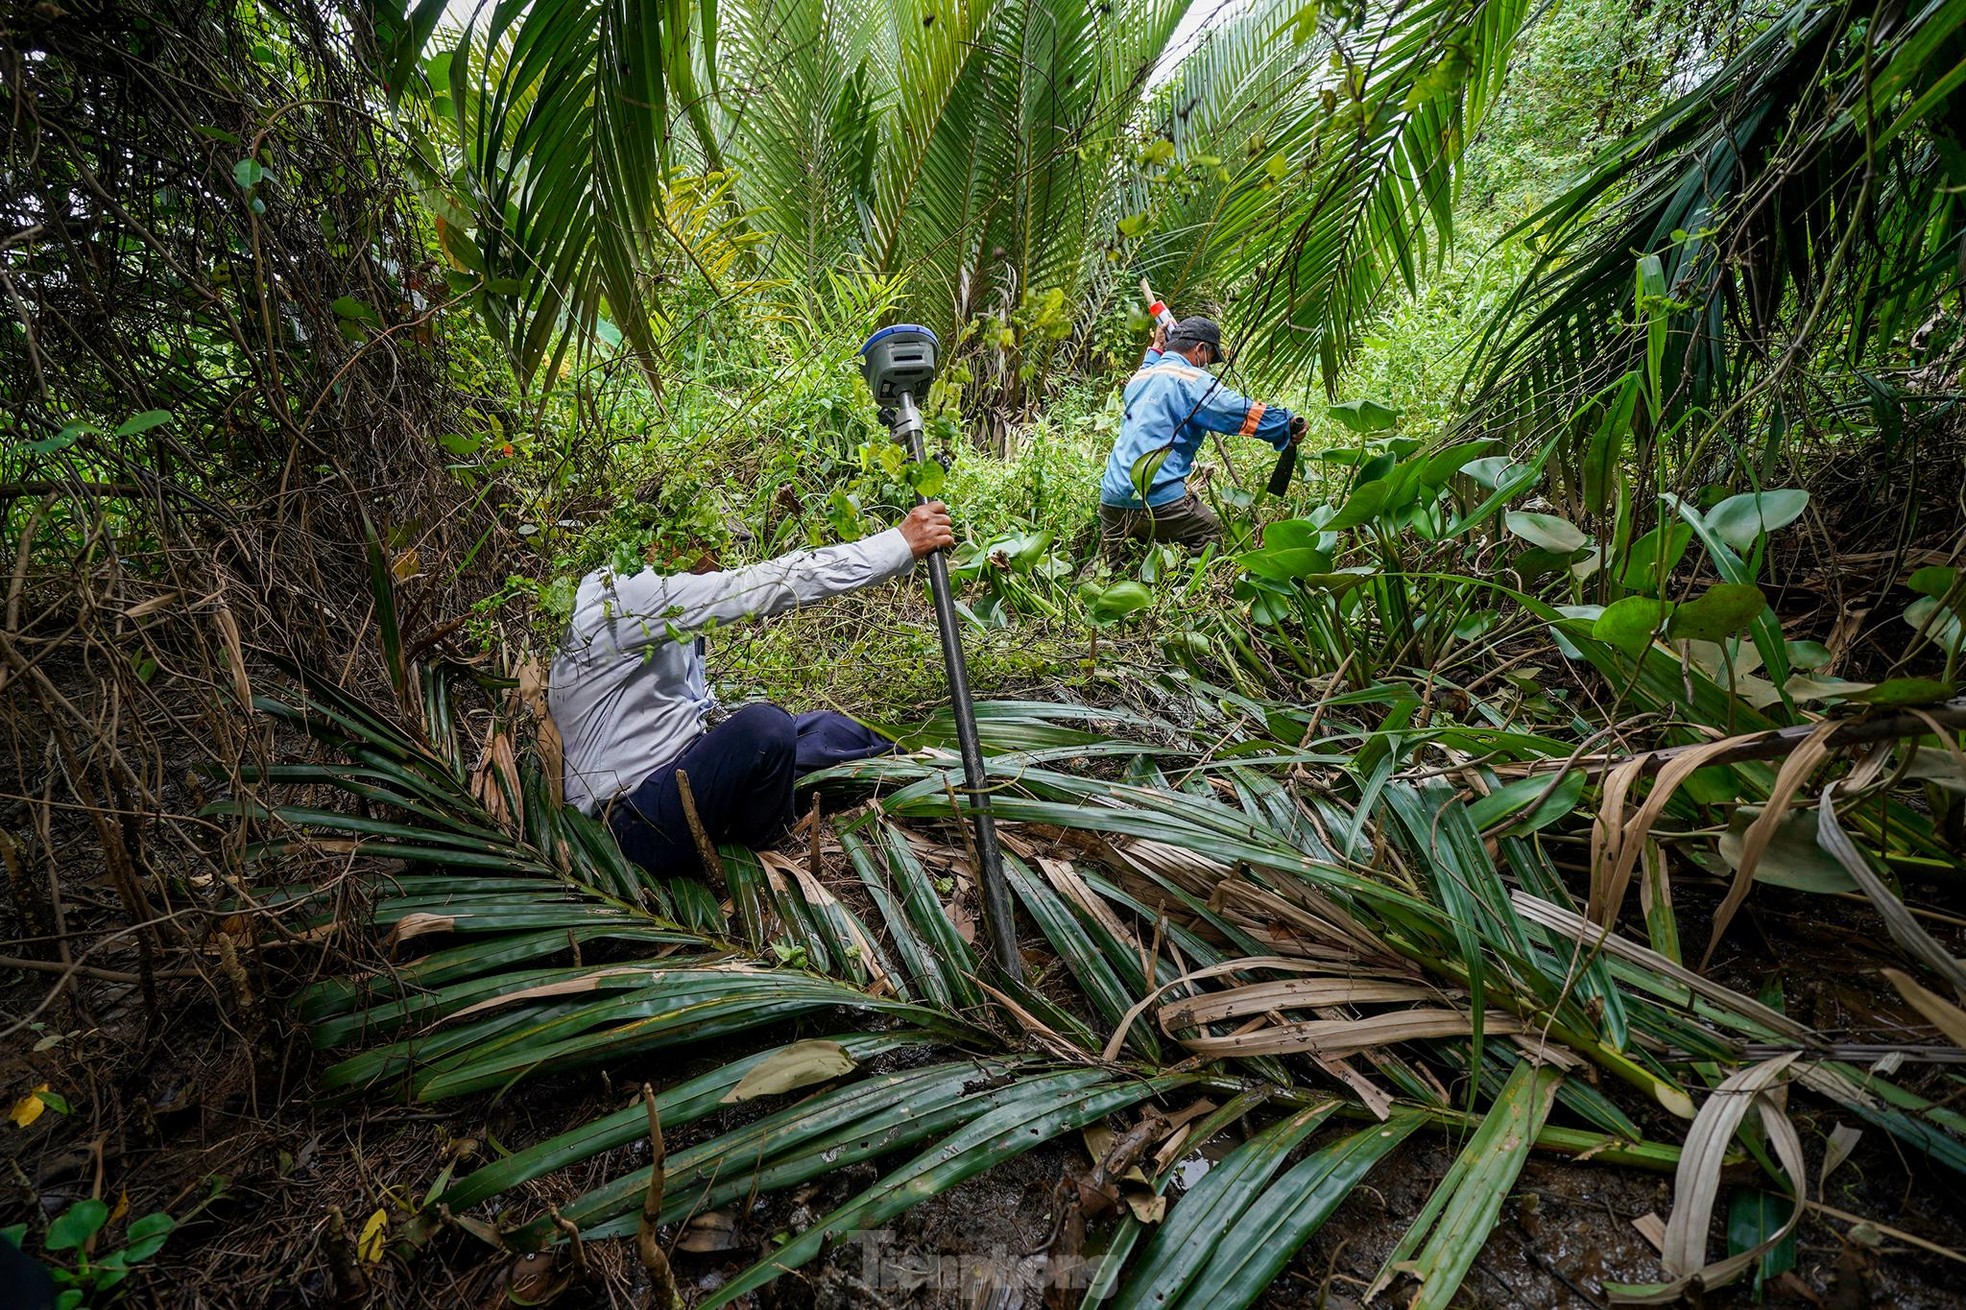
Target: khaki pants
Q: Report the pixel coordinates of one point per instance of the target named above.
(1186, 522)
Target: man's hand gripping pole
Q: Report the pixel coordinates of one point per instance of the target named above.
(899, 363)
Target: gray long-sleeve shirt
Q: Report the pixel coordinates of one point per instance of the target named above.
(628, 689)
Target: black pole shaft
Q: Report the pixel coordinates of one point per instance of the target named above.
(996, 892)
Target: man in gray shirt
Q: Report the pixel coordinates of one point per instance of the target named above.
(629, 694)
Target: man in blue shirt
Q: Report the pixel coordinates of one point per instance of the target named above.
(1170, 402)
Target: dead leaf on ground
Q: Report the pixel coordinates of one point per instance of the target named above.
(709, 1232)
(29, 1107)
(799, 1065)
(1942, 1014)
(375, 1236)
(532, 1280)
(419, 923)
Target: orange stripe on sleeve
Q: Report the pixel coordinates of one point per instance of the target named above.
(1252, 418)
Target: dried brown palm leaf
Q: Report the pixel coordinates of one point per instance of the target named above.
(1341, 1037)
(1616, 842)
(1697, 1184)
(1795, 771)
(1942, 1014)
(1289, 994)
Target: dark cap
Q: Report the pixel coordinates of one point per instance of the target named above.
(1190, 331)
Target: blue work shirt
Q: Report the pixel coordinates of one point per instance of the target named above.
(1171, 402)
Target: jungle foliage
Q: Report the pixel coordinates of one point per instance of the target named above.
(1621, 593)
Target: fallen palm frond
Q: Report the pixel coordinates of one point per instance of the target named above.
(1338, 944)
(1443, 1241)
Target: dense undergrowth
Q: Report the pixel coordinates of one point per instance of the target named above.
(1619, 597)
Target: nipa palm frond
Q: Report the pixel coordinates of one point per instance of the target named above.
(1351, 188)
(1799, 187)
(1210, 929)
(553, 140)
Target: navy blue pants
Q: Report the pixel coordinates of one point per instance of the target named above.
(740, 776)
(24, 1284)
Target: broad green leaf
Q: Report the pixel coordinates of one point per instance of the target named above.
(1489, 470)
(143, 422)
(1792, 859)
(1514, 801)
(248, 174)
(1767, 630)
(461, 248)
(1444, 464)
(1290, 534)
(1753, 1217)
(1654, 555)
(62, 440)
(927, 478)
(1809, 655)
(1336, 583)
(1376, 468)
(1722, 611)
(1556, 535)
(77, 1224)
(1363, 415)
(1536, 562)
(1938, 622)
(1111, 604)
(1739, 520)
(1282, 564)
(1023, 550)
(1631, 624)
(146, 1237)
(349, 308)
(1145, 469)
(1933, 580)
(1361, 506)
(1906, 691)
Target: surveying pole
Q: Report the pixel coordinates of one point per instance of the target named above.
(898, 363)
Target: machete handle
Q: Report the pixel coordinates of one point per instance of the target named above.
(1286, 465)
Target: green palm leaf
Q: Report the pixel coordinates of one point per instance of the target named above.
(1746, 189)
(1179, 912)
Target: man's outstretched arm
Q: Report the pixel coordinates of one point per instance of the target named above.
(663, 606)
